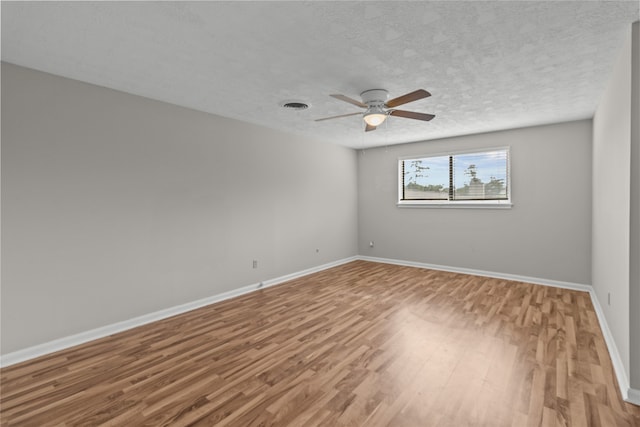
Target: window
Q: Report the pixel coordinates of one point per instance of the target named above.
(468, 179)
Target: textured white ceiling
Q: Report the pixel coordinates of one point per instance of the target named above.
(488, 65)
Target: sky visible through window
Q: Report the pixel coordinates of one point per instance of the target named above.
(475, 176)
(487, 165)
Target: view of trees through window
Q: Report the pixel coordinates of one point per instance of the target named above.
(473, 176)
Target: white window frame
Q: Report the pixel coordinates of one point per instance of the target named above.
(456, 204)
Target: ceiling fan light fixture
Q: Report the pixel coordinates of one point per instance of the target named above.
(375, 116)
(378, 107)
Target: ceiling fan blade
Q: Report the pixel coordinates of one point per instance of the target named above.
(337, 117)
(409, 97)
(412, 115)
(349, 100)
(369, 128)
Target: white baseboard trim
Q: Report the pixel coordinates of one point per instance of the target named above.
(628, 394)
(483, 273)
(104, 331)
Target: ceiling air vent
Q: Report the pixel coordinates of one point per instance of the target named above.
(294, 105)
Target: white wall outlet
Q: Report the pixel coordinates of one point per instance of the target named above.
(255, 263)
(371, 244)
(317, 250)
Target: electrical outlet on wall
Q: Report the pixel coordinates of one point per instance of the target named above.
(255, 263)
(371, 244)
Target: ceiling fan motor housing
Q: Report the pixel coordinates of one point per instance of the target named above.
(375, 97)
(376, 113)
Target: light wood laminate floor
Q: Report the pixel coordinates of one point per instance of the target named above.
(362, 344)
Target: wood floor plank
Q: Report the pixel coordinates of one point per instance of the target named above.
(362, 344)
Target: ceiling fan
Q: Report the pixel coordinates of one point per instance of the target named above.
(378, 107)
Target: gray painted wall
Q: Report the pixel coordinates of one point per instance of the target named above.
(547, 233)
(115, 206)
(611, 190)
(634, 247)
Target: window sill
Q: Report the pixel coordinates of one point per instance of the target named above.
(455, 205)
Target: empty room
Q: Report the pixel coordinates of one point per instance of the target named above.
(317, 213)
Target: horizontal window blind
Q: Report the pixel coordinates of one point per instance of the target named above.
(480, 176)
(456, 177)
